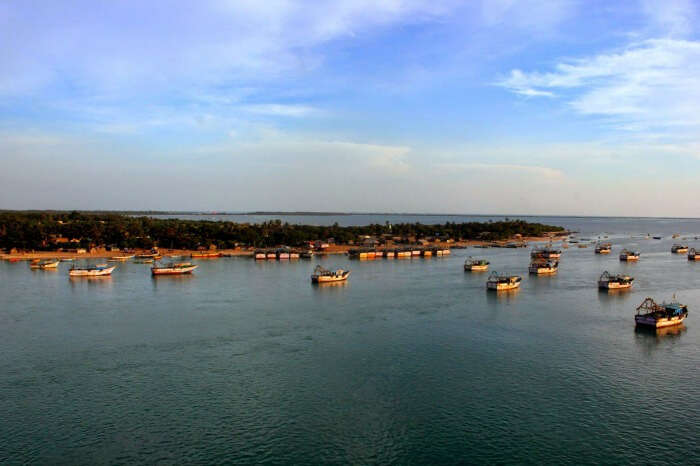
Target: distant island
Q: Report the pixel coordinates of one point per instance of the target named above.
(65, 231)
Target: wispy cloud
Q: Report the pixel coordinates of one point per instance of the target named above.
(655, 83)
(282, 110)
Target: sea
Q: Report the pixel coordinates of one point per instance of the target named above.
(410, 362)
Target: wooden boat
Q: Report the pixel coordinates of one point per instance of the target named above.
(603, 248)
(259, 255)
(503, 282)
(45, 264)
(150, 255)
(545, 253)
(693, 255)
(627, 255)
(542, 267)
(650, 314)
(120, 258)
(322, 275)
(389, 254)
(173, 268)
(205, 255)
(614, 282)
(679, 248)
(271, 256)
(476, 265)
(100, 270)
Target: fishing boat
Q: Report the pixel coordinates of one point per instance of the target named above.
(693, 255)
(545, 253)
(543, 267)
(614, 282)
(627, 255)
(173, 268)
(603, 248)
(150, 255)
(322, 275)
(45, 264)
(498, 282)
(100, 270)
(121, 258)
(650, 314)
(679, 248)
(205, 255)
(476, 265)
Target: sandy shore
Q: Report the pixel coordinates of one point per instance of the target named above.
(333, 249)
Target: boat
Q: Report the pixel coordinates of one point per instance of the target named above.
(100, 270)
(679, 248)
(498, 282)
(650, 314)
(627, 255)
(693, 255)
(545, 253)
(45, 264)
(120, 258)
(304, 254)
(603, 248)
(657, 237)
(614, 282)
(476, 265)
(259, 255)
(205, 255)
(173, 268)
(542, 267)
(389, 254)
(322, 275)
(150, 255)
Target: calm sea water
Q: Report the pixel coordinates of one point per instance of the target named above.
(411, 361)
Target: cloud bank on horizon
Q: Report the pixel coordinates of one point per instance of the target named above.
(486, 106)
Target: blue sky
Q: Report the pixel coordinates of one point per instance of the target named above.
(505, 106)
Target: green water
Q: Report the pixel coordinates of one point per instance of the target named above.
(411, 362)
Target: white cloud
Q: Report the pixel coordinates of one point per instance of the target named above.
(655, 83)
(282, 110)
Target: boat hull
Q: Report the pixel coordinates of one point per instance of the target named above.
(543, 270)
(329, 279)
(502, 286)
(476, 268)
(173, 270)
(613, 285)
(659, 323)
(91, 273)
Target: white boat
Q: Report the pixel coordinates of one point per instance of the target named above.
(540, 267)
(476, 265)
(120, 258)
(45, 264)
(322, 275)
(179, 268)
(100, 270)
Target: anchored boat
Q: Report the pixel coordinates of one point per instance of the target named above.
(100, 270)
(120, 258)
(476, 265)
(614, 282)
(627, 255)
(45, 264)
(322, 275)
(679, 248)
(498, 282)
(693, 255)
(173, 268)
(650, 314)
(205, 255)
(545, 253)
(541, 267)
(603, 248)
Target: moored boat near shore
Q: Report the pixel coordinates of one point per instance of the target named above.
(650, 314)
(173, 268)
(45, 264)
(476, 265)
(627, 255)
(121, 258)
(100, 270)
(322, 275)
(498, 282)
(205, 255)
(614, 282)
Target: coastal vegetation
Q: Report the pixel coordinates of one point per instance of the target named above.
(63, 230)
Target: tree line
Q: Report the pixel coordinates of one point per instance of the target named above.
(50, 231)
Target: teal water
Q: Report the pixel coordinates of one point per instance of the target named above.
(411, 362)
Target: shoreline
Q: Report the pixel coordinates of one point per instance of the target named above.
(248, 252)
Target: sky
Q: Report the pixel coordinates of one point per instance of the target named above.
(497, 107)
